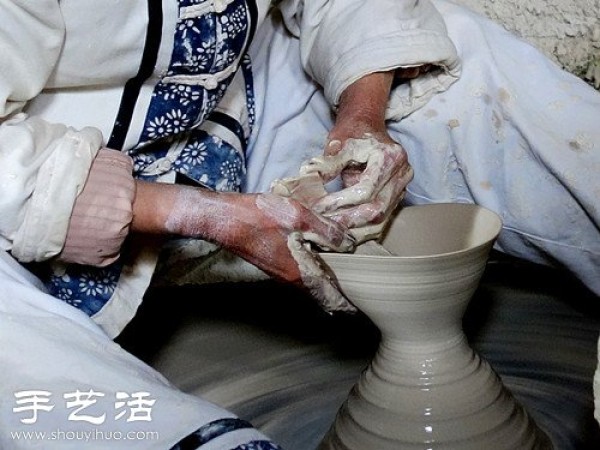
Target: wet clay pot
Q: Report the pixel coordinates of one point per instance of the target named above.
(426, 388)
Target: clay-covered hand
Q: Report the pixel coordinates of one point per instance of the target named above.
(276, 234)
(374, 171)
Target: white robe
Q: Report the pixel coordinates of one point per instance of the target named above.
(72, 71)
(514, 133)
(53, 349)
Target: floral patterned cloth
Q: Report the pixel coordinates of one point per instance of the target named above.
(209, 45)
(213, 430)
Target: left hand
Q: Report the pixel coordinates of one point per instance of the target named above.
(374, 169)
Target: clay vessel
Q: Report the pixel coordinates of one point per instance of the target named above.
(426, 388)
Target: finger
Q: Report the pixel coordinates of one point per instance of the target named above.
(307, 189)
(317, 277)
(360, 215)
(330, 235)
(333, 147)
(382, 163)
(367, 221)
(371, 213)
(292, 216)
(327, 167)
(362, 187)
(357, 194)
(333, 162)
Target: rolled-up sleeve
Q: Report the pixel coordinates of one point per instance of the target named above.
(44, 168)
(344, 40)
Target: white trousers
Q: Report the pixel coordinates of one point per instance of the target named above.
(515, 134)
(66, 385)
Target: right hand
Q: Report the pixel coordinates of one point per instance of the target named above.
(272, 232)
(275, 234)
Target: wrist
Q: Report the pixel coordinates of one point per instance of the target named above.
(363, 105)
(161, 208)
(192, 212)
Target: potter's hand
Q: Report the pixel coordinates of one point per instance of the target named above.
(373, 167)
(277, 234)
(274, 233)
(374, 171)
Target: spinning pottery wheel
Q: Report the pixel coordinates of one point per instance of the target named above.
(269, 354)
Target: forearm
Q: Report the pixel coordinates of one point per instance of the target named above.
(363, 104)
(176, 210)
(362, 109)
(256, 227)
(365, 100)
(161, 208)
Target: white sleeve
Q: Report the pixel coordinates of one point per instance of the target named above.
(31, 39)
(344, 40)
(43, 166)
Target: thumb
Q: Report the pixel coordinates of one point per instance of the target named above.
(319, 281)
(332, 147)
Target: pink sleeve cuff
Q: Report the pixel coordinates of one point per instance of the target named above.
(102, 212)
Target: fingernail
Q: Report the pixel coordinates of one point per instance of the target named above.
(349, 242)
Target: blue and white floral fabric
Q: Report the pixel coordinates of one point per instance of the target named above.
(213, 430)
(184, 131)
(174, 138)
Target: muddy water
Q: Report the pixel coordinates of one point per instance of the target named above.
(268, 354)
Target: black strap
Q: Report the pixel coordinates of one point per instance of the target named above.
(134, 85)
